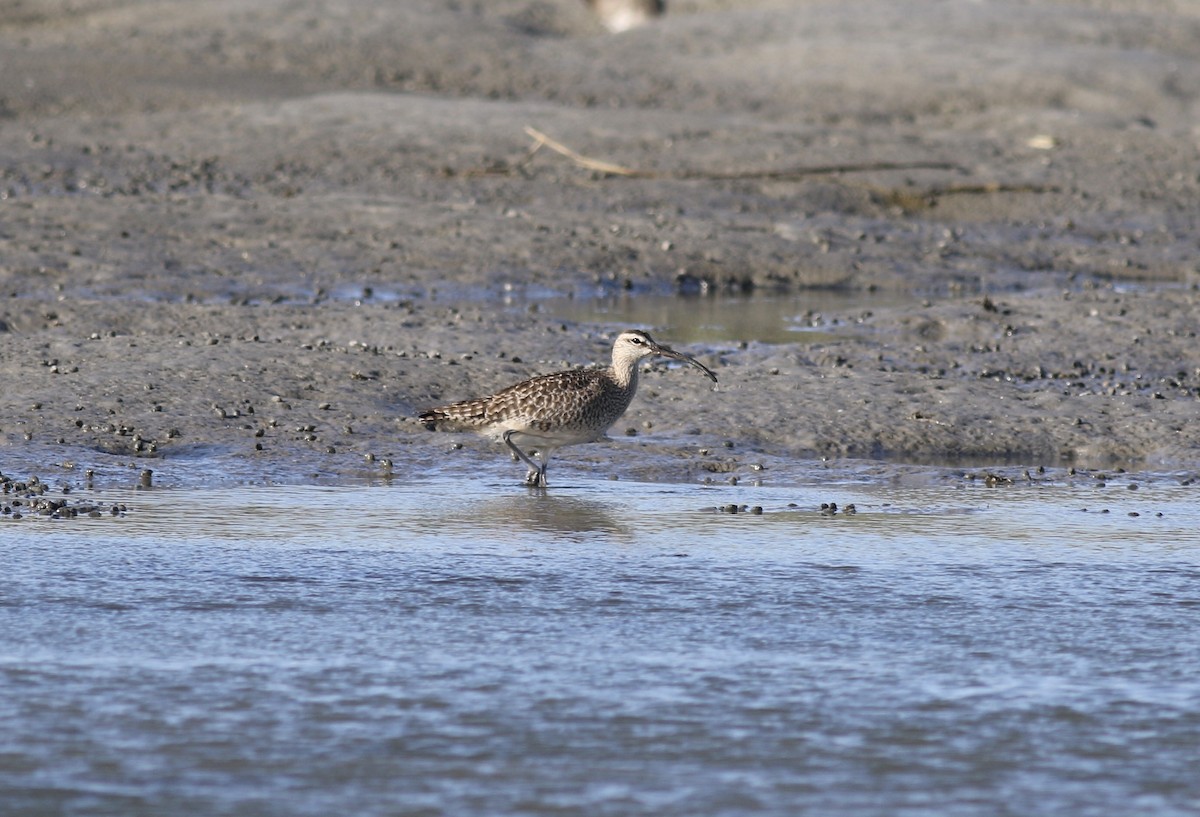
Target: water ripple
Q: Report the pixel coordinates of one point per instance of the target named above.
(250, 652)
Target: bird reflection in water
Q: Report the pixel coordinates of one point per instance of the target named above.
(538, 510)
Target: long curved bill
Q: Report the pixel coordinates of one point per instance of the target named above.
(667, 351)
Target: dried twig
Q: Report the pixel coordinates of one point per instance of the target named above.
(904, 198)
(583, 161)
(922, 199)
(770, 174)
(792, 173)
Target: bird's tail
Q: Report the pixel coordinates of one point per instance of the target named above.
(462, 416)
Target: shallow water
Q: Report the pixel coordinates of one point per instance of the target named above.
(811, 317)
(607, 648)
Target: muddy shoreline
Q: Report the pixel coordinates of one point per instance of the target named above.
(249, 243)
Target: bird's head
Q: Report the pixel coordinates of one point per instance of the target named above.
(633, 344)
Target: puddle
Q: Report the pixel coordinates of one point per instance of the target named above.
(810, 316)
(814, 316)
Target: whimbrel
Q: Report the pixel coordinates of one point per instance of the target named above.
(564, 408)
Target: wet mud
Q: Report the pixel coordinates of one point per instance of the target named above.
(249, 242)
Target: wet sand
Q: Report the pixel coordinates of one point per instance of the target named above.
(249, 241)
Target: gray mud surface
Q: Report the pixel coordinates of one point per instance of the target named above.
(250, 240)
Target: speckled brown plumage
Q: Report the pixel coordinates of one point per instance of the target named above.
(580, 401)
(564, 408)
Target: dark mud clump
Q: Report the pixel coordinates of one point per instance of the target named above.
(33, 498)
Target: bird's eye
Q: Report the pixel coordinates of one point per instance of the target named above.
(637, 341)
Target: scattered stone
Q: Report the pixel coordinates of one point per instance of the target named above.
(29, 500)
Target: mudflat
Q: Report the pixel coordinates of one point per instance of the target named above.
(250, 241)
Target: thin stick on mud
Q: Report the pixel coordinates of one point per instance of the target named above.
(773, 174)
(579, 159)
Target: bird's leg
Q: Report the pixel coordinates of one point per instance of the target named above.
(543, 455)
(537, 474)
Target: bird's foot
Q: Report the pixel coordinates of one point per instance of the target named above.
(536, 479)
